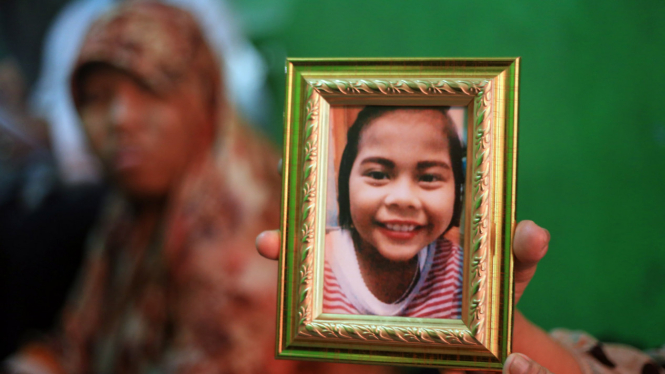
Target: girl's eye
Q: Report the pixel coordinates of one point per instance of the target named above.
(377, 175)
(428, 178)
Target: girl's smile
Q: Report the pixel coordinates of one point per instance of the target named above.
(401, 186)
(399, 230)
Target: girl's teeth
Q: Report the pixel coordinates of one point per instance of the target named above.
(394, 227)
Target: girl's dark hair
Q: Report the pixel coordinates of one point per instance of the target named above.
(367, 116)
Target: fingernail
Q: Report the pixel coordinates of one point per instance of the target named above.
(547, 242)
(259, 237)
(519, 365)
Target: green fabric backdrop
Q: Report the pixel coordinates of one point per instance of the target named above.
(592, 132)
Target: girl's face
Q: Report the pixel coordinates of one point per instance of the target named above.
(402, 187)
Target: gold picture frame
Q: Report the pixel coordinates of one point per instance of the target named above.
(487, 89)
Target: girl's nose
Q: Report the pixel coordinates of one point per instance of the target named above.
(403, 194)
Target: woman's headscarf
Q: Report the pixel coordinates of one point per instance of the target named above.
(160, 45)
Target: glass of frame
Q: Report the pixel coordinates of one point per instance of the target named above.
(398, 211)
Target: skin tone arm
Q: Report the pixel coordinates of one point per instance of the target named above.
(531, 344)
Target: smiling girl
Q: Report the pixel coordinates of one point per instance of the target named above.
(400, 182)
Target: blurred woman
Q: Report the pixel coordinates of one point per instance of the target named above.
(171, 283)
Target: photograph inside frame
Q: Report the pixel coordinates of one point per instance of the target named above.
(395, 187)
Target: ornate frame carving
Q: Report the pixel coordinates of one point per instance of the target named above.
(489, 89)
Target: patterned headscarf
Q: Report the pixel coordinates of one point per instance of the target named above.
(159, 44)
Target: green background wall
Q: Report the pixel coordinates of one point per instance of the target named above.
(592, 130)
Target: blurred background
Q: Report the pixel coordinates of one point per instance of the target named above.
(591, 143)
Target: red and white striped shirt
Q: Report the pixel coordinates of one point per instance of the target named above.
(437, 291)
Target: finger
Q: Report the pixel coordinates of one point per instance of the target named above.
(520, 364)
(529, 246)
(267, 243)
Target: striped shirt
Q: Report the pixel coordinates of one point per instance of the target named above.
(435, 293)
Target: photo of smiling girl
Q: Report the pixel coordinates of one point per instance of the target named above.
(396, 251)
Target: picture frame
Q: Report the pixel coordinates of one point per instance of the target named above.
(487, 91)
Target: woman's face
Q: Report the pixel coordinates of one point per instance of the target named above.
(401, 187)
(144, 140)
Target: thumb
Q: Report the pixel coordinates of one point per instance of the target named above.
(529, 246)
(267, 244)
(521, 364)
